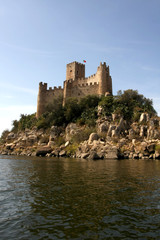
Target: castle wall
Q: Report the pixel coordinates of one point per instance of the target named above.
(75, 70)
(76, 85)
(82, 89)
(46, 97)
(96, 84)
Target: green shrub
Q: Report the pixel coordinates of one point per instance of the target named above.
(59, 141)
(72, 110)
(4, 135)
(25, 121)
(107, 104)
(71, 149)
(130, 100)
(90, 101)
(157, 148)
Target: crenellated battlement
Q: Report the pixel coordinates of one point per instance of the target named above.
(75, 62)
(76, 85)
(43, 87)
(87, 84)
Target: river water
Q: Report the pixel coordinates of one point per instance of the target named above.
(42, 198)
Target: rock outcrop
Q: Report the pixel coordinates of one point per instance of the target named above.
(113, 138)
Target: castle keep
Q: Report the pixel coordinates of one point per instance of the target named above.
(76, 85)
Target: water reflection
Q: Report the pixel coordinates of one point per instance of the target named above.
(75, 199)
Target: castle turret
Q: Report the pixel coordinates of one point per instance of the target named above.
(104, 79)
(75, 70)
(41, 99)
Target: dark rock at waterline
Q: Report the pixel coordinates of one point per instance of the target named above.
(42, 151)
(93, 156)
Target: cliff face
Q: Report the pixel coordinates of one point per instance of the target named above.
(113, 137)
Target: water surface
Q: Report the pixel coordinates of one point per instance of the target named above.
(42, 198)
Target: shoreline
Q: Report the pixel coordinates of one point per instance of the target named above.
(111, 138)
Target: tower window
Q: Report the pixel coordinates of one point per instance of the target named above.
(70, 70)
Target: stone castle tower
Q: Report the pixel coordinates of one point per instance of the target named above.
(76, 85)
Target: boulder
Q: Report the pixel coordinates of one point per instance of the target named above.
(92, 137)
(135, 156)
(120, 127)
(151, 156)
(66, 144)
(93, 156)
(11, 136)
(44, 139)
(111, 127)
(55, 152)
(31, 139)
(71, 130)
(144, 118)
(51, 143)
(131, 134)
(133, 141)
(122, 142)
(103, 128)
(156, 134)
(150, 132)
(143, 146)
(10, 146)
(112, 153)
(62, 153)
(153, 133)
(55, 131)
(84, 147)
(115, 116)
(143, 131)
(151, 148)
(156, 155)
(4, 153)
(115, 133)
(84, 155)
(42, 151)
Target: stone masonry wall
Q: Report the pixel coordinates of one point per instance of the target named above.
(76, 85)
(46, 96)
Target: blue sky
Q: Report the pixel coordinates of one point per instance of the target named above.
(39, 37)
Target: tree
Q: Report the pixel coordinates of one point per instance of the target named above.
(127, 102)
(72, 110)
(107, 103)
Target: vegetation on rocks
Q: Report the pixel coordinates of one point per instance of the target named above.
(129, 104)
(93, 127)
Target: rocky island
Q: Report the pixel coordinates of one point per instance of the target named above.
(84, 120)
(105, 129)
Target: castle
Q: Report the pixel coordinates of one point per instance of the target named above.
(76, 85)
